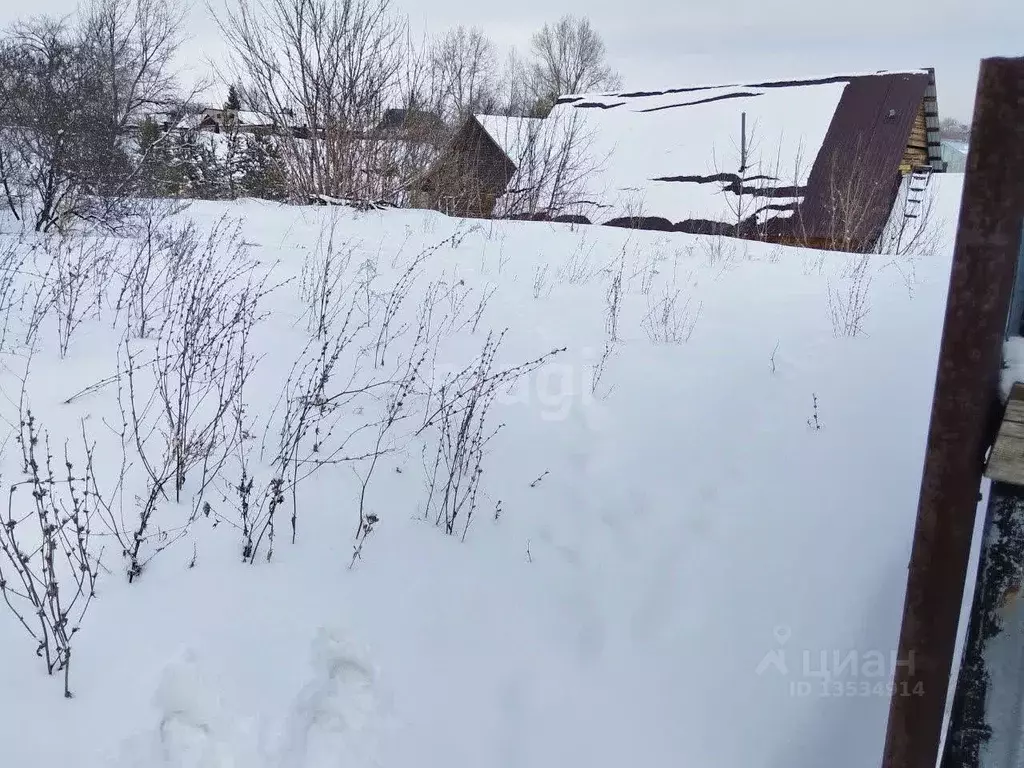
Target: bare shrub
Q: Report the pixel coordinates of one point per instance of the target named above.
(59, 278)
(855, 214)
(671, 317)
(323, 281)
(814, 262)
(202, 363)
(849, 297)
(398, 407)
(350, 391)
(202, 355)
(649, 267)
(13, 258)
(458, 420)
(718, 250)
(554, 159)
(81, 265)
(814, 422)
(613, 301)
(600, 368)
(48, 572)
(579, 268)
(541, 287)
(913, 232)
(302, 430)
(37, 293)
(159, 261)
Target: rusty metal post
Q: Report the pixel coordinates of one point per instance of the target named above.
(965, 403)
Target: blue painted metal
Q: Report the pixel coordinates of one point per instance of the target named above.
(1015, 319)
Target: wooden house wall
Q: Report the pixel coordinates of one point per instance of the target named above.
(470, 176)
(916, 153)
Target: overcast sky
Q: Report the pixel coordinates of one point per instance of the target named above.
(671, 43)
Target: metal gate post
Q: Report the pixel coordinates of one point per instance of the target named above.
(965, 409)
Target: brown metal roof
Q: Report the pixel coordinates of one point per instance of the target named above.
(853, 179)
(853, 182)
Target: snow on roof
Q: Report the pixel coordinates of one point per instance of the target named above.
(251, 117)
(248, 117)
(653, 151)
(770, 82)
(512, 134)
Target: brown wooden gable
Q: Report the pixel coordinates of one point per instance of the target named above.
(470, 174)
(916, 153)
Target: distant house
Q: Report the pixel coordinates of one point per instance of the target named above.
(218, 120)
(816, 161)
(411, 122)
(167, 117)
(475, 166)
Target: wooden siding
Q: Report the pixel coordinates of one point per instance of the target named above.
(1006, 460)
(470, 175)
(916, 153)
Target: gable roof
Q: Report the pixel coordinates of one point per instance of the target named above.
(676, 153)
(250, 118)
(512, 135)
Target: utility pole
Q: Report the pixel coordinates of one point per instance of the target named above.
(965, 411)
(743, 145)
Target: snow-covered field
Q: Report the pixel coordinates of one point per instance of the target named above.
(690, 536)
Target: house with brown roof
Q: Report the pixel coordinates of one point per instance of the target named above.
(472, 170)
(218, 120)
(816, 161)
(513, 167)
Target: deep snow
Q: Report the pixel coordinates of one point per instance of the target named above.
(678, 560)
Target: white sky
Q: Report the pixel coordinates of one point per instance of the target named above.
(671, 43)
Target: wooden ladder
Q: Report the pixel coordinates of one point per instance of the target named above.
(920, 175)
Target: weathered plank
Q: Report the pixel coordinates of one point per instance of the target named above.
(1006, 460)
(1015, 406)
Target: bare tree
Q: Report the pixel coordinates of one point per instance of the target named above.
(515, 89)
(954, 130)
(131, 45)
(569, 57)
(54, 133)
(417, 79)
(324, 71)
(555, 159)
(69, 92)
(466, 64)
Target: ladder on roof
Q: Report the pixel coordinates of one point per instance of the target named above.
(913, 204)
(917, 187)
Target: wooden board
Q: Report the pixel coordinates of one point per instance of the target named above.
(1006, 459)
(916, 151)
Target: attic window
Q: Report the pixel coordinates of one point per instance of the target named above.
(892, 114)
